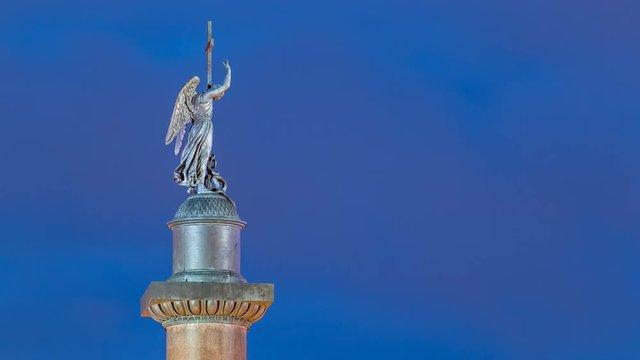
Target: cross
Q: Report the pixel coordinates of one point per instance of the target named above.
(208, 50)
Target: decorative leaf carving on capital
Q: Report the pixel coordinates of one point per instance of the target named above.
(173, 312)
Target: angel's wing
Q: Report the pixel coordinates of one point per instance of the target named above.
(182, 113)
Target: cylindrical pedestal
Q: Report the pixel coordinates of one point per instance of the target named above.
(206, 240)
(206, 341)
(203, 246)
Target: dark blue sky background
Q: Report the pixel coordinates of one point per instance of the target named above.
(422, 180)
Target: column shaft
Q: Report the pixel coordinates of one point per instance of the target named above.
(206, 341)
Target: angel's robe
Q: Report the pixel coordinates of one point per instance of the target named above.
(195, 155)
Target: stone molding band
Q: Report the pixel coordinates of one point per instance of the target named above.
(203, 319)
(215, 275)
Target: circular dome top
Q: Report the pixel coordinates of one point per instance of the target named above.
(206, 206)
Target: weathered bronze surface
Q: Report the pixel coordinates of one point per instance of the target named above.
(206, 240)
(195, 110)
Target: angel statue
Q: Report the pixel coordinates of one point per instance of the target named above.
(197, 164)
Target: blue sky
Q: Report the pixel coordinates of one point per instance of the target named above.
(422, 180)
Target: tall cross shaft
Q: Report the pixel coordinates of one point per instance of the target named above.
(208, 50)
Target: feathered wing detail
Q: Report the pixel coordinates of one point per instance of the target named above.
(182, 113)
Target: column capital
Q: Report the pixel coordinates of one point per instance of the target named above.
(172, 303)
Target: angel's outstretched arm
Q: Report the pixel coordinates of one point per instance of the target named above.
(217, 93)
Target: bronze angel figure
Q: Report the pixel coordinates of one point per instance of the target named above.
(197, 165)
